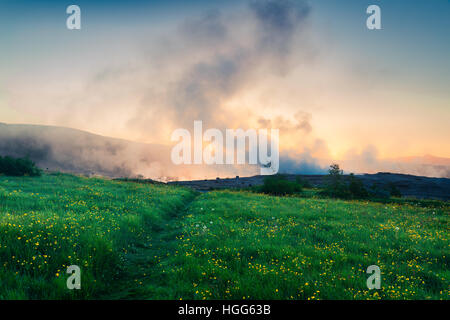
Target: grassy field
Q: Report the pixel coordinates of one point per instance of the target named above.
(54, 221)
(141, 241)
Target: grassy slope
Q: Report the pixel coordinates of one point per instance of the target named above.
(160, 242)
(51, 222)
(238, 245)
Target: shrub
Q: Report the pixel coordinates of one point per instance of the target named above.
(356, 188)
(303, 182)
(376, 192)
(334, 184)
(18, 167)
(279, 185)
(336, 187)
(394, 191)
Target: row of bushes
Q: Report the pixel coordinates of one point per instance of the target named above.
(336, 186)
(279, 185)
(353, 188)
(18, 167)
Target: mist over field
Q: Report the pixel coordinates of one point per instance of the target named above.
(75, 151)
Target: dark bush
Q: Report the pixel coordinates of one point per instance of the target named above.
(376, 192)
(338, 187)
(335, 185)
(279, 185)
(18, 167)
(356, 188)
(303, 182)
(393, 190)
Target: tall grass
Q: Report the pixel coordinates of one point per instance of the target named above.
(242, 245)
(145, 241)
(54, 221)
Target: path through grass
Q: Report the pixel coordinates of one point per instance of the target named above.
(54, 221)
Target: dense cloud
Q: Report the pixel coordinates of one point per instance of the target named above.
(189, 73)
(278, 22)
(217, 58)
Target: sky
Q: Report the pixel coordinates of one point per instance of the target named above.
(139, 69)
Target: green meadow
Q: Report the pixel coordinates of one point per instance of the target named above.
(144, 241)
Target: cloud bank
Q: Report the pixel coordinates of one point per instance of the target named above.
(231, 69)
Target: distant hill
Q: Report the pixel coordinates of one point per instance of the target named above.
(76, 151)
(81, 152)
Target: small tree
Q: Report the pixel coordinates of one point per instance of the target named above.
(335, 171)
(335, 186)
